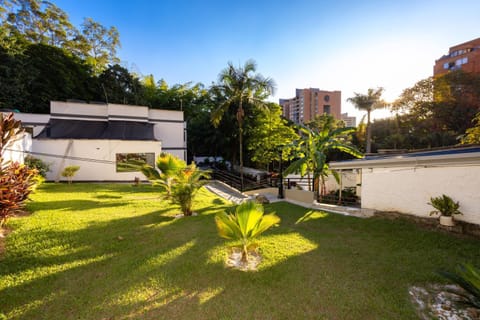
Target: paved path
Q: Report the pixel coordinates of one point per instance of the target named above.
(225, 191)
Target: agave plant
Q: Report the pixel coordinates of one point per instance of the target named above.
(468, 278)
(245, 224)
(444, 205)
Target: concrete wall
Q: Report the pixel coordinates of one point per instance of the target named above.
(96, 158)
(299, 195)
(15, 149)
(408, 189)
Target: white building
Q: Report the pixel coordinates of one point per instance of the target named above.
(103, 139)
(405, 183)
(350, 121)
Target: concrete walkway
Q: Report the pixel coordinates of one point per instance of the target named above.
(225, 191)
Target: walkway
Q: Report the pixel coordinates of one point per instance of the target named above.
(225, 191)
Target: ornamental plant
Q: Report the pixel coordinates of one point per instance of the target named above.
(69, 172)
(245, 225)
(444, 205)
(468, 278)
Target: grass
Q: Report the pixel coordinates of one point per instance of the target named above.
(116, 252)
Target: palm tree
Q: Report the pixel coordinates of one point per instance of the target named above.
(369, 102)
(241, 87)
(312, 149)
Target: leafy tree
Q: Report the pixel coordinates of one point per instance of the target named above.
(472, 135)
(98, 45)
(119, 86)
(368, 102)
(270, 136)
(241, 87)
(312, 148)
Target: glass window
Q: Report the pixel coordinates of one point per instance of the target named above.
(131, 162)
(326, 109)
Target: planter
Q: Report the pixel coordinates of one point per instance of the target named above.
(447, 221)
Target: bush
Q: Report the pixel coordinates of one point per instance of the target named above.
(35, 163)
(468, 278)
(69, 172)
(17, 181)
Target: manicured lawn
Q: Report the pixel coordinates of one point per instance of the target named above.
(117, 252)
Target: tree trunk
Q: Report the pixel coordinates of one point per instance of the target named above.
(368, 149)
(240, 114)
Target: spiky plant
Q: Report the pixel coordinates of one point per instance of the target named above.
(186, 184)
(468, 278)
(247, 223)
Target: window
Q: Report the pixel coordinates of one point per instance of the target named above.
(326, 109)
(131, 162)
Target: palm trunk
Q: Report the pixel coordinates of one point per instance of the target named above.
(240, 138)
(368, 149)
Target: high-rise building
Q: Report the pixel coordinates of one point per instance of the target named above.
(465, 56)
(308, 103)
(350, 121)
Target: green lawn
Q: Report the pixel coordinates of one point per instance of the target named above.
(116, 252)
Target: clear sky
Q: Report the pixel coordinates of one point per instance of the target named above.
(332, 45)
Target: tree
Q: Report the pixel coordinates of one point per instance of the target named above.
(472, 135)
(168, 166)
(241, 87)
(119, 86)
(270, 137)
(368, 102)
(312, 148)
(98, 45)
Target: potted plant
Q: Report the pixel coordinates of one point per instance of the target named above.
(446, 207)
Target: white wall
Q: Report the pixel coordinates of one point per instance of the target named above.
(102, 150)
(408, 189)
(15, 149)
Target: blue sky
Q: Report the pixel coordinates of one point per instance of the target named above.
(332, 45)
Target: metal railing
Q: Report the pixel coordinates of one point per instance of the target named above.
(233, 179)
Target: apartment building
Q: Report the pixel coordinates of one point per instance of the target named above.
(465, 56)
(350, 121)
(308, 103)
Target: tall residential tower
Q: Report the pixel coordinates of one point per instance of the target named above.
(465, 56)
(308, 103)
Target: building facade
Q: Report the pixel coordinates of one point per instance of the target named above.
(308, 103)
(105, 140)
(350, 121)
(465, 56)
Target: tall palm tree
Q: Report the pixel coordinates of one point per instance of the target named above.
(313, 146)
(241, 87)
(368, 102)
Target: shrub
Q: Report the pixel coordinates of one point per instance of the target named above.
(35, 163)
(444, 205)
(17, 181)
(178, 181)
(69, 172)
(245, 225)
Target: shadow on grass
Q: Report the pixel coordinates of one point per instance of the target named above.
(151, 266)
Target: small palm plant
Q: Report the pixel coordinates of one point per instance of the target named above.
(179, 182)
(186, 184)
(169, 166)
(444, 205)
(468, 278)
(245, 225)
